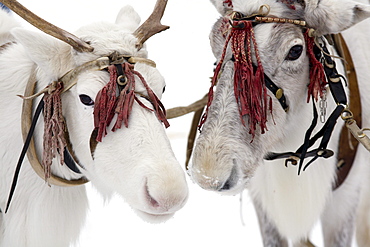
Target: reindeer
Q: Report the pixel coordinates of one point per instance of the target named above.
(270, 90)
(82, 90)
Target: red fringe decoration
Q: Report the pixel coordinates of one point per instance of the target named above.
(317, 73)
(126, 97)
(54, 127)
(229, 3)
(107, 104)
(249, 84)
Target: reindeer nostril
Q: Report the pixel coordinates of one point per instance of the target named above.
(154, 203)
(227, 185)
(232, 180)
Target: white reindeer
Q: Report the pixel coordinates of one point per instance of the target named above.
(230, 152)
(136, 162)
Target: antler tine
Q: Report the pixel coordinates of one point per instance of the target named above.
(152, 25)
(47, 27)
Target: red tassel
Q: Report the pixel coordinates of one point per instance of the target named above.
(159, 109)
(317, 73)
(54, 127)
(249, 83)
(107, 104)
(126, 98)
(229, 3)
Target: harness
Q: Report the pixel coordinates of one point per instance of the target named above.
(122, 83)
(324, 69)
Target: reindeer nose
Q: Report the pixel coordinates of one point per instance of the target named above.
(227, 185)
(215, 182)
(167, 199)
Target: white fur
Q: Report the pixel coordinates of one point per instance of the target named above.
(225, 155)
(135, 162)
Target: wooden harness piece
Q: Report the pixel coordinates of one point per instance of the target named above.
(347, 144)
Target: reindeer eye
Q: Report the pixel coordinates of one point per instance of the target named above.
(294, 53)
(86, 100)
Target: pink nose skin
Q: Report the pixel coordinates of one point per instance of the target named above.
(167, 202)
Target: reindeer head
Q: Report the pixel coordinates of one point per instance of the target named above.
(110, 61)
(236, 136)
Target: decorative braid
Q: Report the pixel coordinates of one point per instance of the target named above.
(54, 127)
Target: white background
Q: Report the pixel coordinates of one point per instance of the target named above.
(184, 58)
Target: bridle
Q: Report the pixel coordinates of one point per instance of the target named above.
(67, 81)
(334, 82)
(57, 140)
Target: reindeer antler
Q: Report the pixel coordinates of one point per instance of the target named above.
(152, 25)
(47, 27)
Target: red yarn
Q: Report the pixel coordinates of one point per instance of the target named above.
(229, 3)
(126, 97)
(317, 73)
(107, 103)
(54, 141)
(249, 84)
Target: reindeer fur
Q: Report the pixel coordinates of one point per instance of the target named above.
(135, 162)
(228, 160)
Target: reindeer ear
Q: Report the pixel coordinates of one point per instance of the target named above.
(334, 16)
(222, 6)
(128, 18)
(51, 55)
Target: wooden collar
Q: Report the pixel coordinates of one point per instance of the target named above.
(26, 122)
(347, 144)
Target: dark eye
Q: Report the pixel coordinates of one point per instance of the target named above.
(86, 100)
(164, 89)
(294, 53)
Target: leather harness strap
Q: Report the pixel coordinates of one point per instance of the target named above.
(347, 147)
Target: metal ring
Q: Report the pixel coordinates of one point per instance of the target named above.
(264, 6)
(120, 81)
(311, 32)
(346, 114)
